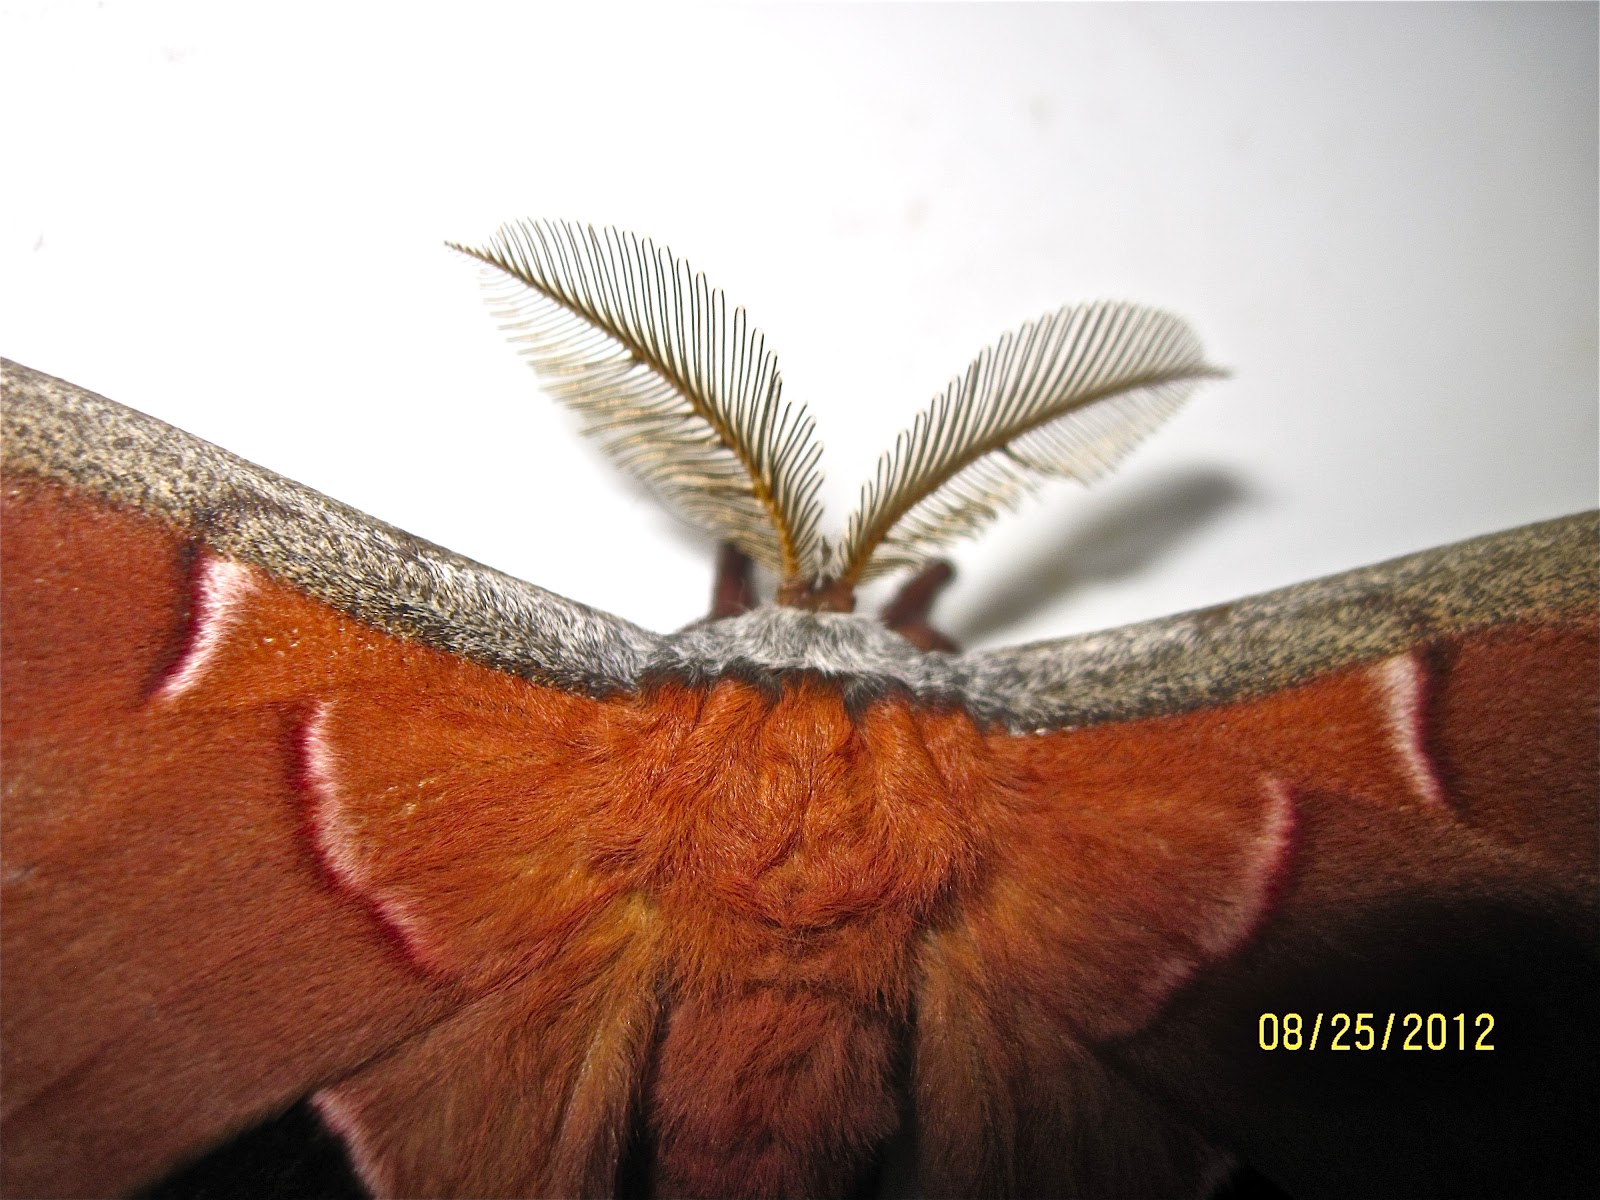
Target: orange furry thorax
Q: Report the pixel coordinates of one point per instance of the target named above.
(776, 827)
(789, 851)
(778, 854)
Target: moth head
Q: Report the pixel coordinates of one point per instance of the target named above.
(684, 394)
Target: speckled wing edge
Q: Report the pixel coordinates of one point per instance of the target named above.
(374, 572)
(1548, 572)
(410, 587)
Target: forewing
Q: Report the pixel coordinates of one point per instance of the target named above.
(1372, 794)
(243, 859)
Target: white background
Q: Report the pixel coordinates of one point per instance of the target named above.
(1382, 218)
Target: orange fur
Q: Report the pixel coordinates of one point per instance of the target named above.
(779, 856)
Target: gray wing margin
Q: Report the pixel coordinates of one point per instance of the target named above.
(374, 572)
(1544, 572)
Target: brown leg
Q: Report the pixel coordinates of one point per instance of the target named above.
(907, 614)
(734, 591)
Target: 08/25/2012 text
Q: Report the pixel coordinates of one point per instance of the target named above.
(1375, 1031)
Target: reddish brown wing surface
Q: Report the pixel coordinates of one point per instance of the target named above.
(1410, 835)
(193, 935)
(175, 963)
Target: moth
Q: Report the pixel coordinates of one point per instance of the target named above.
(794, 901)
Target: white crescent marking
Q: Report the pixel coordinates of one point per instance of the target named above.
(220, 588)
(1403, 682)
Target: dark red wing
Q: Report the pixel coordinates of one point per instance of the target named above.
(1412, 836)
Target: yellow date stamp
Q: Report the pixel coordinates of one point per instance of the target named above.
(1375, 1031)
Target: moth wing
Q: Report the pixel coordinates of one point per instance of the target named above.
(230, 880)
(1359, 812)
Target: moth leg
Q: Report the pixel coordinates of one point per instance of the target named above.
(734, 591)
(908, 613)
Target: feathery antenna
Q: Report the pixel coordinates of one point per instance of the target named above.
(1067, 395)
(686, 396)
(680, 392)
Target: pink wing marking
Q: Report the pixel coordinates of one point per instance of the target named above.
(341, 1119)
(1403, 680)
(1260, 881)
(220, 588)
(338, 846)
